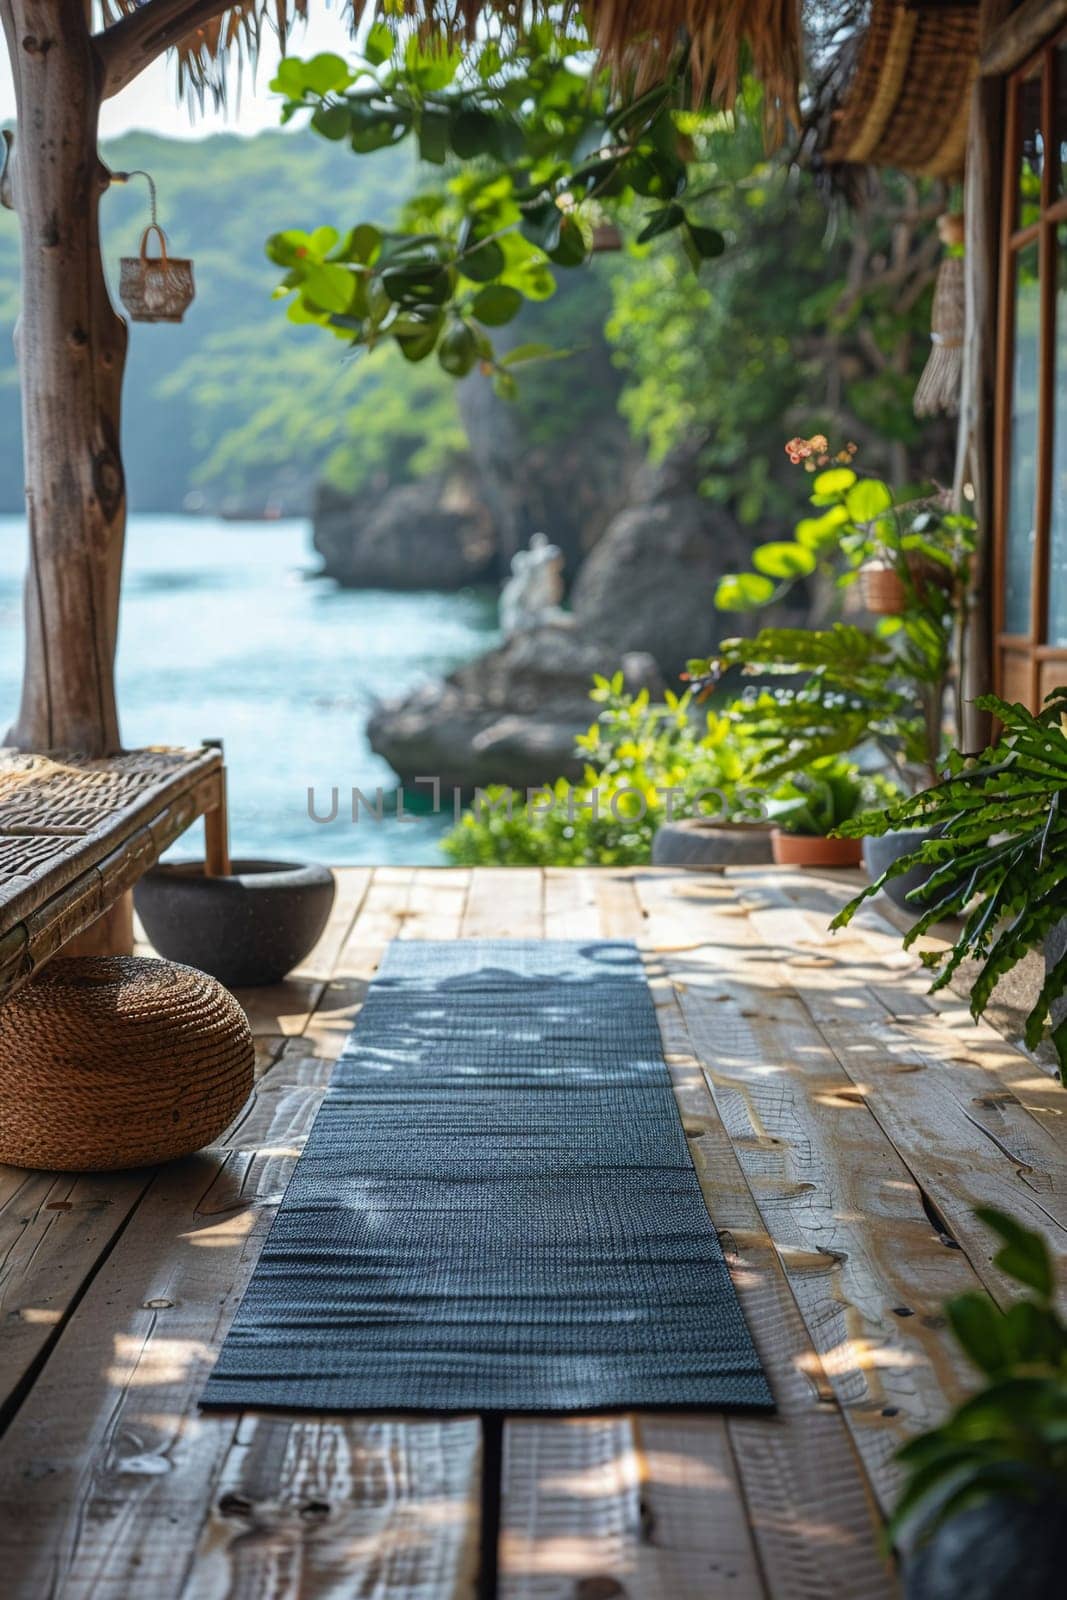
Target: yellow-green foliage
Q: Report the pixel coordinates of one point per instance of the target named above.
(645, 762)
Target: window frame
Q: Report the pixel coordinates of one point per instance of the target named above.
(1026, 665)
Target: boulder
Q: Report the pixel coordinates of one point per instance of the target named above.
(511, 716)
(649, 584)
(436, 533)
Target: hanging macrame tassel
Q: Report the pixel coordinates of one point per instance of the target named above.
(939, 386)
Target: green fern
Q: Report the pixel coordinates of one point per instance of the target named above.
(999, 856)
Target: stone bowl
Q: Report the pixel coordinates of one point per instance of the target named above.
(248, 929)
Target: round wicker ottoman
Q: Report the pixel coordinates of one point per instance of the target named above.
(118, 1061)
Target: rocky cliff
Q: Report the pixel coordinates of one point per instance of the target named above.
(642, 600)
(436, 533)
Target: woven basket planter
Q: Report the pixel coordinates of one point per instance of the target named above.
(882, 588)
(156, 288)
(118, 1061)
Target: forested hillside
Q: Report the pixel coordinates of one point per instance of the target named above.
(237, 400)
(805, 320)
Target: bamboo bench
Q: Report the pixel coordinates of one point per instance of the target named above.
(77, 832)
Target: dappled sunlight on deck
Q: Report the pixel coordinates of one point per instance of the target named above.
(843, 1129)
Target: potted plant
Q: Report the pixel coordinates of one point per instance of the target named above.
(998, 858)
(807, 808)
(993, 1477)
(693, 769)
(839, 688)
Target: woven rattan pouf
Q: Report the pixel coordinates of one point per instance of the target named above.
(118, 1061)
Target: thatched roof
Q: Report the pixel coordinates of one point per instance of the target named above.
(637, 38)
(897, 91)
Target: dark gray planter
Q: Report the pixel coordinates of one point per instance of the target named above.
(246, 930)
(1055, 949)
(699, 843)
(1004, 1548)
(879, 852)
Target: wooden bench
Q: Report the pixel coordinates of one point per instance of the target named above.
(76, 833)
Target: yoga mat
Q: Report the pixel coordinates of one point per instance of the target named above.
(496, 1210)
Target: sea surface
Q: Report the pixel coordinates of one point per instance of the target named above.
(227, 633)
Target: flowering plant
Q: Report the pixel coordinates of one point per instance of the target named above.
(827, 691)
(857, 520)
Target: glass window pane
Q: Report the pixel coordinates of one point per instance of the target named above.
(1057, 576)
(1022, 473)
(1060, 136)
(1031, 147)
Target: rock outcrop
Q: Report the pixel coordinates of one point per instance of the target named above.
(643, 599)
(436, 533)
(511, 716)
(649, 585)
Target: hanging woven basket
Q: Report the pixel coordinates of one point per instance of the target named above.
(883, 591)
(156, 288)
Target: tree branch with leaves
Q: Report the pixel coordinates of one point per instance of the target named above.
(535, 148)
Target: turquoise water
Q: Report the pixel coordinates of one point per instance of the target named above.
(226, 634)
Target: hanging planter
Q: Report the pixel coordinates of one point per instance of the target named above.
(154, 288)
(883, 591)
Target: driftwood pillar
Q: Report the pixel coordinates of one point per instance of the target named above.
(71, 348)
(975, 452)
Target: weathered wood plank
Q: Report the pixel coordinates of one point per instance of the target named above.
(505, 903)
(866, 1266)
(1012, 39)
(966, 1139)
(571, 907)
(816, 1536)
(54, 1228)
(643, 1506)
(352, 886)
(109, 1470)
(321, 1506)
(651, 1504)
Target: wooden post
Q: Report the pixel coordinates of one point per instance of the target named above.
(109, 935)
(217, 827)
(975, 452)
(71, 349)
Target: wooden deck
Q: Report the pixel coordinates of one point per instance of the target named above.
(843, 1129)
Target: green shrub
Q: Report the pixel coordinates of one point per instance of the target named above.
(645, 763)
(999, 855)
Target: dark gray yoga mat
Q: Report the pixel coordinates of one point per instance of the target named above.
(496, 1210)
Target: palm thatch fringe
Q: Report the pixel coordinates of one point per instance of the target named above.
(638, 39)
(907, 100)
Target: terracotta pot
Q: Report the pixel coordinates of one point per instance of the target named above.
(883, 590)
(813, 850)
